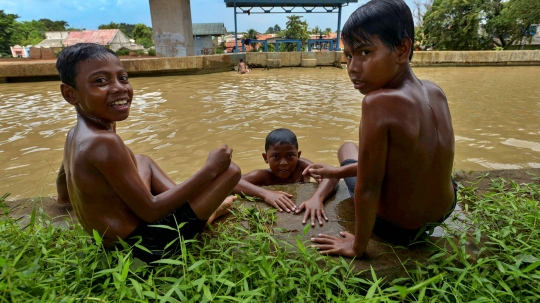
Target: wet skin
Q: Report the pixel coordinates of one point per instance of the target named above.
(112, 190)
(286, 167)
(405, 151)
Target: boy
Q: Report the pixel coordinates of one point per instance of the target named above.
(113, 191)
(403, 161)
(242, 67)
(286, 167)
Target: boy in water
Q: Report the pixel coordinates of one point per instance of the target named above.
(286, 167)
(401, 168)
(112, 190)
(242, 67)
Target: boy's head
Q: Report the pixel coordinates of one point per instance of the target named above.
(95, 82)
(282, 153)
(389, 20)
(70, 57)
(241, 60)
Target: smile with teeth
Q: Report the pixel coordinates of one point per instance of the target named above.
(121, 102)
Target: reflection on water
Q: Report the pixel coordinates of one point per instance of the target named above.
(177, 120)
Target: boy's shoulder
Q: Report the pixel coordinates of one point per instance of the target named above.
(99, 144)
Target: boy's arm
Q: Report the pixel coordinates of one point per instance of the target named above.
(61, 186)
(372, 154)
(111, 157)
(322, 171)
(248, 185)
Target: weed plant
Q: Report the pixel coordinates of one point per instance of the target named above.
(240, 260)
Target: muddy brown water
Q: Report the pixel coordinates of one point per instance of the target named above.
(177, 120)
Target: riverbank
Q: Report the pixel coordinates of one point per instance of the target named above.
(21, 70)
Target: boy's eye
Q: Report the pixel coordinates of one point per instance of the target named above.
(349, 57)
(100, 80)
(123, 78)
(364, 52)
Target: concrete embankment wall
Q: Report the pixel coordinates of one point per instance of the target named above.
(19, 70)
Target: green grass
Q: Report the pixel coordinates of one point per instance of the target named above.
(242, 261)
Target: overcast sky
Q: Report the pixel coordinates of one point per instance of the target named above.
(90, 14)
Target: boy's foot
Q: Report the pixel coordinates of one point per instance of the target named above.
(222, 209)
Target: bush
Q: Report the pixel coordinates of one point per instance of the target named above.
(152, 52)
(123, 52)
(219, 50)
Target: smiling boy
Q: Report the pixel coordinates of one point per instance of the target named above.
(112, 190)
(400, 172)
(286, 166)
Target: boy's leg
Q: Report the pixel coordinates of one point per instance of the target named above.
(210, 197)
(348, 154)
(347, 151)
(153, 176)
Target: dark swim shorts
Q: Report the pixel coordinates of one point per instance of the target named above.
(156, 239)
(391, 232)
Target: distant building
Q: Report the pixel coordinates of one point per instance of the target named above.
(54, 39)
(112, 38)
(20, 51)
(207, 37)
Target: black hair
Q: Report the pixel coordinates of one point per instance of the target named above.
(241, 60)
(281, 136)
(69, 58)
(390, 20)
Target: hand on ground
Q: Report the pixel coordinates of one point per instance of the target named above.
(315, 210)
(330, 245)
(280, 200)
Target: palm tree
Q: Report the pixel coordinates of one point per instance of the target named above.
(252, 35)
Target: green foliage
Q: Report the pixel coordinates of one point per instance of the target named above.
(220, 50)
(53, 26)
(277, 28)
(123, 52)
(296, 29)
(143, 35)
(242, 260)
(270, 30)
(453, 25)
(251, 34)
(7, 30)
(152, 52)
(327, 31)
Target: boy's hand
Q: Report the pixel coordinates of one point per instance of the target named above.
(314, 209)
(330, 245)
(320, 171)
(280, 200)
(219, 159)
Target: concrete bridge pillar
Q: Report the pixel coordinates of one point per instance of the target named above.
(173, 31)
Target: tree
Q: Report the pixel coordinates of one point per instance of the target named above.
(453, 25)
(420, 8)
(270, 30)
(277, 28)
(125, 28)
(54, 26)
(316, 30)
(29, 32)
(251, 34)
(511, 22)
(327, 31)
(295, 29)
(7, 29)
(143, 35)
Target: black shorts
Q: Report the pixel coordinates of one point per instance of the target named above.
(391, 232)
(156, 239)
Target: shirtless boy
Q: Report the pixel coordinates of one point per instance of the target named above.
(402, 165)
(112, 190)
(286, 167)
(242, 67)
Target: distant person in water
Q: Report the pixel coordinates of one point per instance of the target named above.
(242, 67)
(115, 192)
(286, 167)
(399, 173)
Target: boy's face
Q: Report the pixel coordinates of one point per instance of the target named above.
(283, 159)
(372, 66)
(103, 90)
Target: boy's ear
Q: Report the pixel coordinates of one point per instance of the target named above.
(404, 50)
(264, 157)
(299, 153)
(68, 93)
